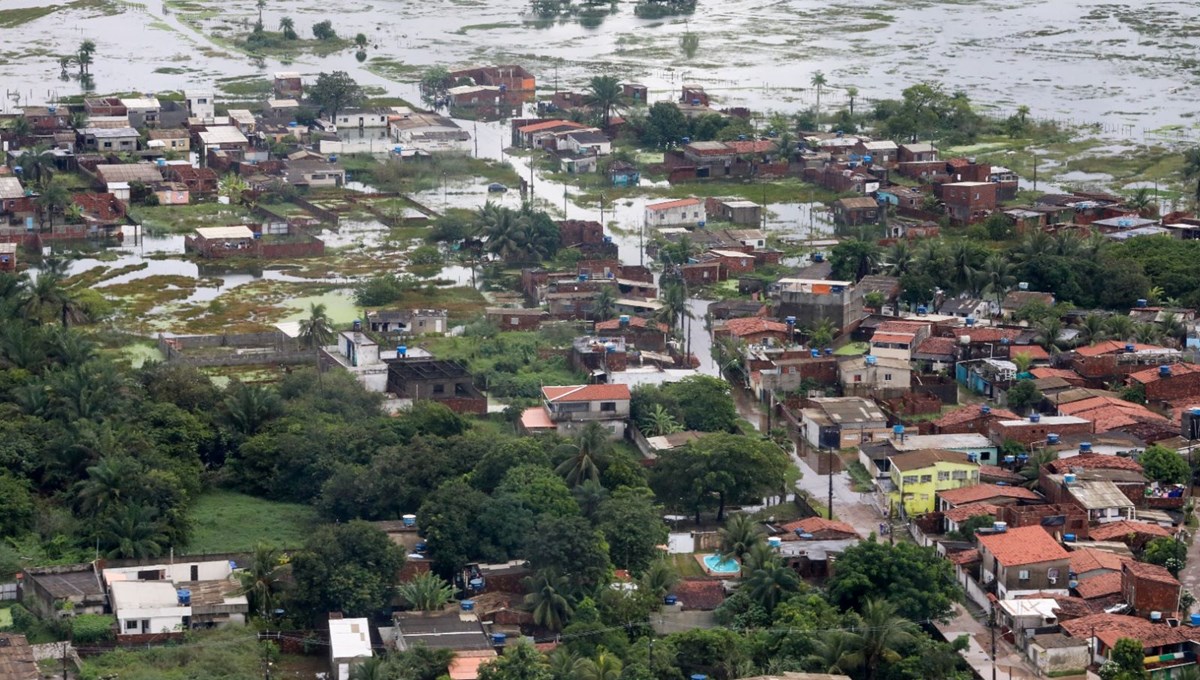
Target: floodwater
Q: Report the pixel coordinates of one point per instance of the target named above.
(1121, 64)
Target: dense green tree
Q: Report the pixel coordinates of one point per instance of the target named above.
(1166, 552)
(1023, 395)
(706, 403)
(914, 578)
(724, 468)
(632, 526)
(349, 568)
(853, 259)
(504, 456)
(335, 91)
(16, 505)
(718, 653)
(323, 30)
(770, 583)
(877, 641)
(665, 125)
(444, 518)
(1164, 465)
(426, 592)
(591, 448)
(262, 579)
(521, 661)
(570, 547)
(133, 532)
(540, 490)
(1191, 170)
(1126, 662)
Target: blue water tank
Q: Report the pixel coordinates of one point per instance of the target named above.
(583, 277)
(1129, 347)
(402, 350)
(356, 325)
(871, 361)
(985, 409)
(498, 639)
(1035, 417)
(970, 321)
(1069, 538)
(1194, 620)
(1164, 371)
(828, 351)
(699, 676)
(161, 162)
(791, 321)
(897, 430)
(409, 520)
(867, 159)
(397, 150)
(670, 599)
(185, 597)
(467, 605)
(818, 257)
(476, 584)
(1141, 302)
(815, 353)
(1052, 438)
(1085, 447)
(421, 547)
(1010, 459)
(922, 309)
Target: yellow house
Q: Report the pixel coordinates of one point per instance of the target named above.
(917, 476)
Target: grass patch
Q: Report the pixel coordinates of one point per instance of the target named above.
(272, 43)
(852, 349)
(784, 512)
(687, 566)
(5, 618)
(182, 219)
(228, 521)
(426, 175)
(11, 18)
(861, 479)
(227, 653)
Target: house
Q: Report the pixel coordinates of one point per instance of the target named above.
(969, 201)
(871, 375)
(812, 301)
(1101, 498)
(737, 211)
(819, 529)
(990, 494)
(571, 407)
(972, 418)
(1149, 588)
(1055, 654)
(16, 658)
(430, 132)
(644, 334)
(1038, 429)
(244, 120)
(15, 201)
(458, 628)
(1134, 534)
(1022, 561)
(349, 646)
(1088, 562)
(917, 152)
(8, 257)
(1168, 383)
(623, 174)
(755, 330)
(966, 308)
(120, 176)
(510, 78)
(315, 174)
(408, 321)
(842, 422)
(1166, 647)
(513, 319)
(733, 262)
(62, 591)
(1019, 299)
(287, 85)
(199, 181)
(115, 140)
(171, 598)
(696, 594)
(105, 106)
(218, 242)
(587, 143)
(142, 111)
(1022, 617)
(956, 518)
(853, 212)
(200, 103)
(361, 118)
(917, 476)
(683, 212)
(533, 134)
(222, 138)
(169, 139)
(445, 382)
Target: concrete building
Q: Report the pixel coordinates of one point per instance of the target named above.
(812, 301)
(409, 321)
(430, 132)
(200, 104)
(842, 422)
(1037, 429)
(171, 598)
(349, 646)
(570, 408)
(918, 476)
(62, 591)
(869, 375)
(1022, 561)
(109, 140)
(689, 212)
(446, 382)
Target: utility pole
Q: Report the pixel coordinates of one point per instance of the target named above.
(831, 482)
(993, 627)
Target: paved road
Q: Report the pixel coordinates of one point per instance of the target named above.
(1190, 575)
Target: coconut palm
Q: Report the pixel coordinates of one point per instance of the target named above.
(109, 485)
(729, 354)
(1068, 244)
(740, 534)
(1022, 112)
(232, 186)
(821, 334)
(1172, 328)
(1048, 331)
(1092, 329)
(561, 663)
(249, 407)
(674, 309)
(1191, 170)
(833, 652)
(317, 330)
(262, 581)
(1119, 327)
(659, 578)
(374, 668)
(83, 56)
(882, 632)
(261, 5)
(660, 422)
(771, 583)
(20, 129)
(589, 495)
(818, 81)
(758, 556)
(288, 27)
(899, 259)
(427, 592)
(52, 198)
(1147, 333)
(605, 666)
(998, 273)
(591, 445)
(1023, 361)
(604, 305)
(604, 96)
(545, 601)
(1032, 470)
(1145, 203)
(852, 94)
(133, 533)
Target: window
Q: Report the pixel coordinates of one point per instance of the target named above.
(1023, 575)
(958, 474)
(515, 321)
(925, 479)
(910, 479)
(857, 378)
(131, 624)
(439, 389)
(943, 476)
(108, 145)
(608, 407)
(887, 377)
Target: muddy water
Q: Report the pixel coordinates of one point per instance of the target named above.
(1121, 63)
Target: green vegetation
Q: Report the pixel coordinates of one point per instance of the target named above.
(183, 219)
(228, 521)
(229, 653)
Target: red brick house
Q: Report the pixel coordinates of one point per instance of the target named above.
(1168, 383)
(1149, 588)
(733, 262)
(1036, 428)
(642, 333)
(969, 201)
(818, 529)
(516, 319)
(969, 419)
(199, 181)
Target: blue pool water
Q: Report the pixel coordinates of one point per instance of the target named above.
(716, 565)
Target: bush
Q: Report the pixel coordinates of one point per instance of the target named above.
(92, 628)
(425, 255)
(324, 30)
(23, 619)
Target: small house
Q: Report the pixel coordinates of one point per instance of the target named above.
(218, 242)
(917, 152)
(445, 382)
(16, 658)
(115, 140)
(871, 375)
(287, 85)
(842, 422)
(408, 321)
(315, 174)
(571, 407)
(588, 143)
(1023, 561)
(172, 598)
(349, 646)
(917, 477)
(169, 139)
(64, 590)
(8, 257)
(361, 118)
(855, 211)
(682, 212)
(15, 201)
(200, 103)
(222, 138)
(969, 201)
(622, 174)
(142, 111)
(512, 319)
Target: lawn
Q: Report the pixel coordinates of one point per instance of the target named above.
(5, 618)
(227, 521)
(687, 566)
(184, 218)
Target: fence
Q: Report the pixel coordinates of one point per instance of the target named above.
(250, 349)
(8, 592)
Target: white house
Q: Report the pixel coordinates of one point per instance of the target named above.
(429, 132)
(588, 143)
(361, 118)
(567, 409)
(349, 645)
(169, 598)
(200, 103)
(682, 212)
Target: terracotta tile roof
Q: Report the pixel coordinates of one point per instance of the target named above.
(1084, 560)
(1023, 545)
(981, 492)
(757, 146)
(667, 205)
(997, 473)
(896, 338)
(937, 346)
(1111, 627)
(1035, 352)
(634, 322)
(1110, 413)
(1064, 373)
(812, 525)
(1111, 347)
(102, 206)
(1151, 572)
(752, 325)
(964, 557)
(966, 512)
(1101, 585)
(909, 327)
(570, 393)
(987, 334)
(1093, 461)
(1152, 374)
(967, 414)
(549, 125)
(925, 458)
(536, 418)
(699, 594)
(1119, 530)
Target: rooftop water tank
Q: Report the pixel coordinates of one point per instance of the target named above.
(670, 599)
(804, 535)
(623, 320)
(973, 457)
(970, 321)
(1194, 620)
(815, 353)
(583, 277)
(1010, 459)
(1000, 527)
(867, 159)
(791, 321)
(1085, 447)
(162, 162)
(897, 430)
(1156, 616)
(357, 325)
(818, 257)
(1069, 538)
(1130, 347)
(397, 150)
(498, 639)
(421, 546)
(871, 361)
(1052, 438)
(476, 584)
(409, 520)
(1164, 371)
(467, 605)
(828, 351)
(1141, 302)
(922, 309)
(1024, 285)
(985, 409)
(185, 597)
(774, 541)
(1035, 417)
(610, 347)
(401, 351)
(1069, 478)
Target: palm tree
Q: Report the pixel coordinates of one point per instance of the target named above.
(1120, 327)
(1023, 361)
(604, 96)
(1032, 471)
(84, 55)
(1172, 328)
(729, 353)
(899, 259)
(852, 94)
(21, 129)
(1143, 202)
(660, 422)
(1191, 169)
(501, 229)
(818, 81)
(288, 27)
(882, 632)
(109, 484)
(771, 583)
(426, 592)
(232, 186)
(675, 307)
(998, 274)
(52, 198)
(374, 668)
(134, 533)
(740, 533)
(545, 600)
(821, 334)
(1048, 331)
(562, 663)
(261, 5)
(1022, 112)
(317, 330)
(605, 666)
(590, 446)
(833, 652)
(589, 495)
(249, 407)
(1147, 333)
(659, 578)
(262, 581)
(1092, 329)
(604, 305)
(962, 255)
(760, 555)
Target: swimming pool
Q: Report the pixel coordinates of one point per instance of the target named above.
(716, 565)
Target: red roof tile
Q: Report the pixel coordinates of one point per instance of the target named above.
(909, 327)
(634, 322)
(1119, 530)
(896, 338)
(1111, 627)
(1046, 372)
(667, 205)
(571, 393)
(937, 346)
(997, 473)
(981, 492)
(1101, 585)
(699, 594)
(1151, 572)
(966, 414)
(963, 556)
(812, 525)
(752, 325)
(1150, 375)
(966, 512)
(1023, 545)
(1093, 461)
(1111, 347)
(1084, 560)
(757, 146)
(1034, 352)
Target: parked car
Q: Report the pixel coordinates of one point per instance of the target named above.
(497, 188)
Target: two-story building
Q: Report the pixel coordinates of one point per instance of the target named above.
(842, 422)
(917, 477)
(567, 409)
(812, 301)
(1023, 561)
(445, 382)
(176, 597)
(109, 140)
(869, 375)
(684, 212)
